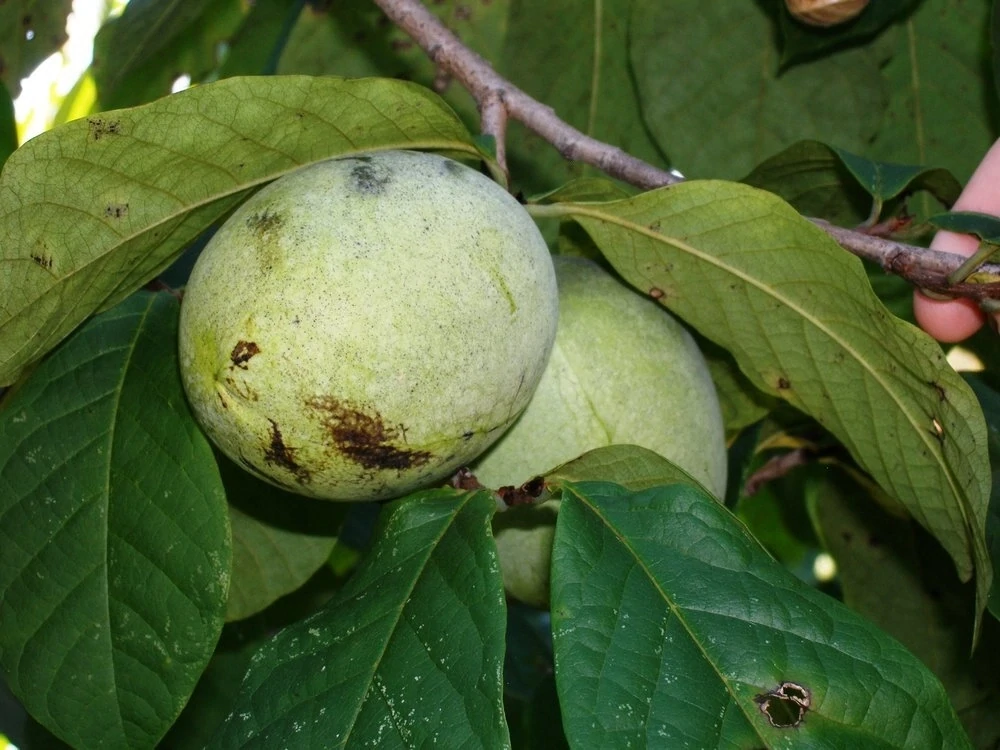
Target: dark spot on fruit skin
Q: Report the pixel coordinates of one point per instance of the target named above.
(279, 454)
(370, 179)
(99, 127)
(262, 223)
(362, 436)
(242, 353)
(222, 400)
(467, 435)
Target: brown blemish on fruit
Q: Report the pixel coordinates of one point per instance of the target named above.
(99, 127)
(362, 436)
(242, 353)
(262, 223)
(282, 455)
(116, 210)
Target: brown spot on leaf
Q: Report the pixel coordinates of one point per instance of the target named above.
(242, 353)
(785, 707)
(656, 293)
(100, 127)
(463, 13)
(941, 392)
(362, 435)
(116, 210)
(44, 261)
(282, 455)
(784, 384)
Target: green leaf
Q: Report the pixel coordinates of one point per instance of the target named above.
(30, 31)
(279, 539)
(631, 466)
(409, 652)
(8, 125)
(884, 181)
(257, 46)
(93, 209)
(742, 403)
(139, 55)
(801, 41)
(810, 176)
(891, 572)
(114, 540)
(799, 317)
(984, 226)
(941, 107)
(673, 626)
(573, 56)
(989, 399)
(713, 97)
(353, 38)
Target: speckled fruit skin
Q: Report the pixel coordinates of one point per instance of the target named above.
(362, 327)
(622, 370)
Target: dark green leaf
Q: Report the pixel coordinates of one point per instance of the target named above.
(114, 540)
(139, 55)
(8, 125)
(884, 181)
(984, 226)
(279, 539)
(93, 209)
(799, 317)
(715, 101)
(891, 572)
(409, 652)
(30, 31)
(353, 38)
(573, 56)
(801, 41)
(741, 401)
(673, 626)
(989, 399)
(256, 48)
(809, 175)
(941, 109)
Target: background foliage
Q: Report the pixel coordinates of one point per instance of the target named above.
(152, 594)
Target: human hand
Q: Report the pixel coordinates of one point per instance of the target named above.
(954, 320)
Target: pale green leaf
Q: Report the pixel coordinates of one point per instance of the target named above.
(114, 539)
(631, 466)
(93, 209)
(715, 100)
(408, 654)
(799, 316)
(673, 627)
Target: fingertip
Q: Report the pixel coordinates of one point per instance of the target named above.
(947, 320)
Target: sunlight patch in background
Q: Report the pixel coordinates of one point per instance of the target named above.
(44, 90)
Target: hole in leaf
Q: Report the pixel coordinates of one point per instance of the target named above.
(786, 706)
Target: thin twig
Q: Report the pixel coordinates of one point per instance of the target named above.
(499, 99)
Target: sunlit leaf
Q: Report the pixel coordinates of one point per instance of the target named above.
(673, 626)
(409, 653)
(800, 319)
(715, 100)
(93, 209)
(114, 539)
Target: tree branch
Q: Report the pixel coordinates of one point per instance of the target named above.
(499, 99)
